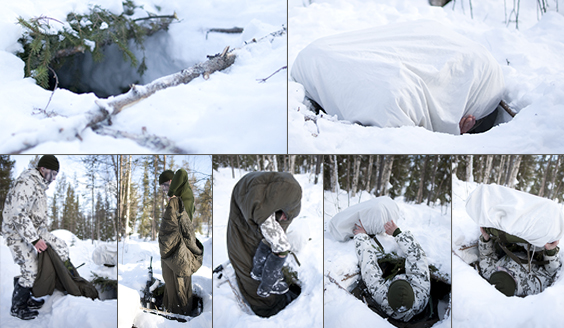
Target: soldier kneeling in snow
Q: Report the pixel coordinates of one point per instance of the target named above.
(514, 278)
(406, 295)
(25, 229)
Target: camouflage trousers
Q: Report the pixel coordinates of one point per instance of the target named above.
(25, 255)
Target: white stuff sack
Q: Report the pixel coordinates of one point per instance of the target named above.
(537, 220)
(105, 254)
(409, 74)
(372, 213)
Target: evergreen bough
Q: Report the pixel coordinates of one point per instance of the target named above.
(47, 42)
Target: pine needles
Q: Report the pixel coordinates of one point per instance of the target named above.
(48, 42)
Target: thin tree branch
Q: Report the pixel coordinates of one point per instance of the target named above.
(268, 77)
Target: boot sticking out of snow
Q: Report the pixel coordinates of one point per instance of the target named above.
(272, 277)
(20, 308)
(258, 261)
(31, 303)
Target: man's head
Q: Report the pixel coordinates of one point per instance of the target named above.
(164, 180)
(503, 282)
(48, 166)
(400, 296)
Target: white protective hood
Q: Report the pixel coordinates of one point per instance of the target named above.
(410, 74)
(373, 214)
(537, 220)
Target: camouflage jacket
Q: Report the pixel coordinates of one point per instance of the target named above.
(528, 283)
(275, 235)
(416, 267)
(25, 209)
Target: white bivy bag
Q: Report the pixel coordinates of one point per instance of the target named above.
(372, 213)
(417, 73)
(105, 254)
(537, 220)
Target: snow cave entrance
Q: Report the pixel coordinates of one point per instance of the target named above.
(115, 74)
(495, 118)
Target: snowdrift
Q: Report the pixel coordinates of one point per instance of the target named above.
(410, 74)
(535, 219)
(373, 214)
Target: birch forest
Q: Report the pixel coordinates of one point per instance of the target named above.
(418, 178)
(295, 164)
(141, 202)
(541, 175)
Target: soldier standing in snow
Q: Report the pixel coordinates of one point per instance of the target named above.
(515, 278)
(406, 295)
(263, 204)
(181, 252)
(25, 229)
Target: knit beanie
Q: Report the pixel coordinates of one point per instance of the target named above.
(400, 295)
(503, 282)
(49, 162)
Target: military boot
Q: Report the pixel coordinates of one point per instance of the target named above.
(20, 308)
(32, 304)
(272, 277)
(258, 261)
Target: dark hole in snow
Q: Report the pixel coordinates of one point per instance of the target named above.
(113, 75)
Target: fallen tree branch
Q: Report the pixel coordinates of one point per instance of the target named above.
(114, 105)
(151, 141)
(271, 75)
(508, 109)
(233, 30)
(44, 111)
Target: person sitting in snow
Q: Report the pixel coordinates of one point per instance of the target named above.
(406, 295)
(181, 252)
(515, 278)
(263, 204)
(25, 229)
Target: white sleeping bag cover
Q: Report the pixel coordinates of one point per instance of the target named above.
(372, 213)
(537, 220)
(410, 74)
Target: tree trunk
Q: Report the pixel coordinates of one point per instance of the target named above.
(433, 175)
(501, 169)
(515, 170)
(335, 175)
(454, 165)
(292, 160)
(155, 199)
(553, 187)
(369, 173)
(380, 167)
(356, 173)
(469, 168)
(318, 165)
(422, 181)
(488, 172)
(232, 166)
(544, 176)
(387, 172)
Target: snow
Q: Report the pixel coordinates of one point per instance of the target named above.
(304, 234)
(134, 258)
(430, 225)
(475, 301)
(229, 113)
(531, 59)
(61, 310)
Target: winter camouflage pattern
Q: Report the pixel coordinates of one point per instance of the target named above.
(25, 221)
(416, 267)
(528, 283)
(275, 235)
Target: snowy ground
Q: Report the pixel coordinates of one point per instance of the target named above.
(134, 273)
(429, 225)
(60, 310)
(305, 234)
(531, 58)
(475, 301)
(229, 113)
